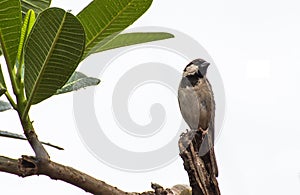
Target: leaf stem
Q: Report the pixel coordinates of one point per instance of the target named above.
(11, 101)
(12, 76)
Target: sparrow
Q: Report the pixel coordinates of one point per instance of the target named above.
(197, 106)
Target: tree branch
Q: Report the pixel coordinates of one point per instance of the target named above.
(9, 165)
(202, 179)
(38, 148)
(29, 166)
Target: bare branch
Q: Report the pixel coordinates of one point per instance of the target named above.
(9, 165)
(202, 179)
(28, 166)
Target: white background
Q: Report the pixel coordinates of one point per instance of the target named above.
(256, 47)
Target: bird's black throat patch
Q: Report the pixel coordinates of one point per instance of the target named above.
(189, 81)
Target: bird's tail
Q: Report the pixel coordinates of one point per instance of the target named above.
(207, 152)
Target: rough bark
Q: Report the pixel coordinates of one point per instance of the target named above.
(29, 166)
(201, 180)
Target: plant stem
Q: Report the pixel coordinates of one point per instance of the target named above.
(38, 148)
(13, 80)
(11, 101)
(25, 111)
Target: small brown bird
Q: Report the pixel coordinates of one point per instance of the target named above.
(197, 106)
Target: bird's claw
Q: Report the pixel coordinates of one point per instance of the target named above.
(204, 132)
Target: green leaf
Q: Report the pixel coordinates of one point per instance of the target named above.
(36, 5)
(78, 81)
(52, 52)
(26, 28)
(10, 28)
(4, 106)
(104, 19)
(134, 38)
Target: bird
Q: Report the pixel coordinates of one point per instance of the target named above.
(197, 106)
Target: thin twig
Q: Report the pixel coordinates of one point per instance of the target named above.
(21, 137)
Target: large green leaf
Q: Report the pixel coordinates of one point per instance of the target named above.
(78, 81)
(103, 19)
(52, 53)
(10, 28)
(36, 5)
(133, 38)
(4, 106)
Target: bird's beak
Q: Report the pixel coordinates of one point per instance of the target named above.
(205, 65)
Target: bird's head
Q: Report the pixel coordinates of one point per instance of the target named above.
(197, 67)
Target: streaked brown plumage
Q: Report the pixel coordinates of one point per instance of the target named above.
(197, 106)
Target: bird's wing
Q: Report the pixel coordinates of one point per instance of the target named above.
(207, 121)
(189, 106)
